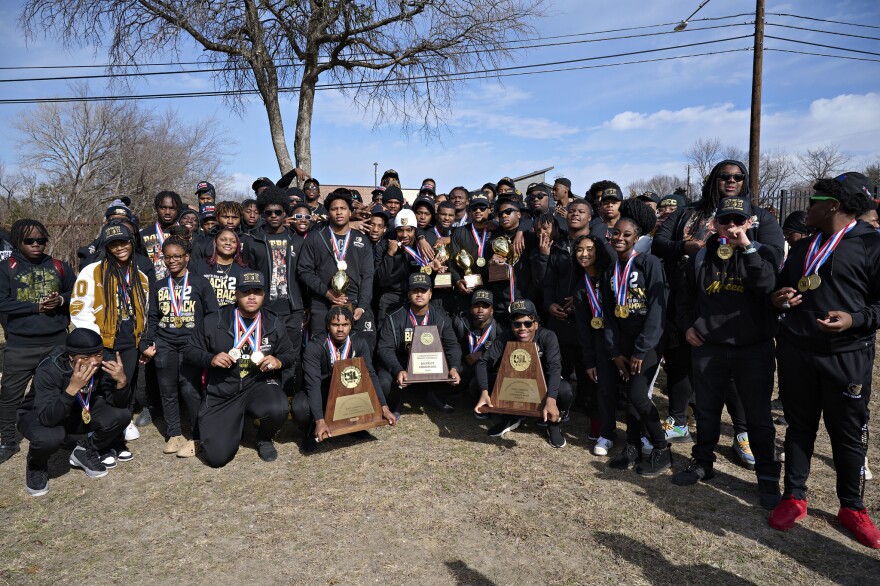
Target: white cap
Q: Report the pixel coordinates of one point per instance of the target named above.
(405, 218)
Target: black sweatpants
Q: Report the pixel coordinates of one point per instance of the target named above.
(122, 398)
(105, 427)
(221, 420)
(606, 394)
(19, 365)
(751, 368)
(366, 326)
(178, 380)
(679, 385)
(293, 323)
(641, 410)
(394, 395)
(836, 387)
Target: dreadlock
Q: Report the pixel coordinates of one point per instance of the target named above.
(339, 310)
(640, 213)
(113, 279)
(228, 208)
(175, 197)
(21, 229)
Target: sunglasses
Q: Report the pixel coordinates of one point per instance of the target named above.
(311, 188)
(728, 176)
(539, 195)
(32, 241)
(480, 208)
(306, 217)
(272, 213)
(725, 220)
(526, 324)
(507, 211)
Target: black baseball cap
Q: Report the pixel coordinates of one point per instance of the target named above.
(262, 182)
(649, 196)
(737, 206)
(251, 280)
(419, 281)
(114, 232)
(523, 307)
(611, 193)
(205, 187)
(482, 296)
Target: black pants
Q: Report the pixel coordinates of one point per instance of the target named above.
(122, 397)
(394, 395)
(293, 323)
(221, 420)
(751, 368)
(606, 394)
(565, 396)
(679, 387)
(366, 326)
(641, 410)
(106, 425)
(177, 379)
(19, 365)
(836, 387)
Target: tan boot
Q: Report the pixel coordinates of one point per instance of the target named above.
(188, 450)
(174, 444)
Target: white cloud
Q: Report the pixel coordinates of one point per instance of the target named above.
(714, 115)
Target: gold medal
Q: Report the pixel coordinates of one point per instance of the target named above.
(725, 251)
(621, 311)
(481, 262)
(803, 284)
(86, 416)
(815, 281)
(597, 323)
(426, 269)
(178, 322)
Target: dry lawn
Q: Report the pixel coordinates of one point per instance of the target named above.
(434, 501)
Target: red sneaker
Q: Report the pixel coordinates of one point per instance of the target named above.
(860, 525)
(787, 513)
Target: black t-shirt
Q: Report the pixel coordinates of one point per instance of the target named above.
(223, 279)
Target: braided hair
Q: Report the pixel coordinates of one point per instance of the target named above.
(113, 277)
(21, 229)
(640, 213)
(339, 310)
(175, 197)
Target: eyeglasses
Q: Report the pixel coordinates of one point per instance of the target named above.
(32, 241)
(311, 188)
(526, 324)
(728, 176)
(175, 256)
(480, 208)
(725, 220)
(539, 195)
(507, 211)
(306, 217)
(272, 213)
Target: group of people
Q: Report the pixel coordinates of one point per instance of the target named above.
(238, 312)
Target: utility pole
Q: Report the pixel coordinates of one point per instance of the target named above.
(375, 174)
(755, 125)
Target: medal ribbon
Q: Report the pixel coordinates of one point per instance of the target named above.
(437, 232)
(722, 241)
(618, 282)
(177, 300)
(160, 235)
(475, 344)
(481, 242)
(125, 289)
(817, 256)
(250, 334)
(338, 354)
(339, 254)
(85, 402)
(593, 297)
(416, 255)
(414, 322)
(462, 221)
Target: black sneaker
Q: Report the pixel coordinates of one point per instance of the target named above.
(123, 454)
(266, 450)
(554, 435)
(7, 451)
(768, 494)
(630, 456)
(89, 461)
(658, 462)
(36, 479)
(506, 424)
(564, 417)
(694, 473)
(434, 401)
(308, 443)
(144, 418)
(108, 458)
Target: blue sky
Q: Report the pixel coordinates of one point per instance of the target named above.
(619, 123)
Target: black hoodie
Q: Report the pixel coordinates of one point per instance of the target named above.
(850, 283)
(22, 286)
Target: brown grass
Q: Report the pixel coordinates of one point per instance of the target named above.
(434, 501)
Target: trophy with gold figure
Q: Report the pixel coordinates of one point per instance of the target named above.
(502, 247)
(340, 281)
(443, 279)
(465, 262)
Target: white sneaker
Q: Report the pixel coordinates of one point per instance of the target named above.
(602, 447)
(131, 432)
(647, 446)
(868, 475)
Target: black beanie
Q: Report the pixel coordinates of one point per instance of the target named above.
(84, 341)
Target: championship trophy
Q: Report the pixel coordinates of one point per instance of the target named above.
(339, 284)
(502, 247)
(443, 280)
(465, 261)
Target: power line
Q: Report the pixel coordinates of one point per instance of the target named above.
(823, 55)
(822, 20)
(821, 45)
(554, 37)
(294, 65)
(463, 76)
(813, 30)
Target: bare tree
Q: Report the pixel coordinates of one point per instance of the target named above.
(399, 56)
(824, 161)
(733, 153)
(659, 184)
(872, 172)
(702, 155)
(778, 170)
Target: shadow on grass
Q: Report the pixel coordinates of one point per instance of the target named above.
(724, 495)
(658, 570)
(464, 575)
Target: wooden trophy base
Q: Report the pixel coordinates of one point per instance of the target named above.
(427, 361)
(499, 272)
(352, 403)
(520, 388)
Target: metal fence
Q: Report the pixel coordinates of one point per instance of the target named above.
(785, 201)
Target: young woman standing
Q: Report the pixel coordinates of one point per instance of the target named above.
(224, 268)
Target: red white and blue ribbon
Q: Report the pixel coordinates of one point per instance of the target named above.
(481, 242)
(475, 344)
(160, 237)
(85, 399)
(817, 256)
(252, 334)
(593, 297)
(618, 282)
(461, 221)
(416, 255)
(341, 354)
(337, 252)
(175, 299)
(414, 321)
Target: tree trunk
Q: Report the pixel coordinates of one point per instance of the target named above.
(302, 140)
(276, 127)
